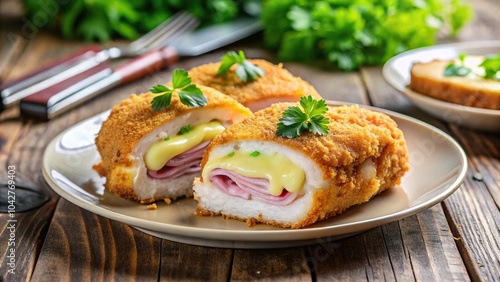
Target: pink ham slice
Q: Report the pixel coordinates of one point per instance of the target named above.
(182, 164)
(237, 185)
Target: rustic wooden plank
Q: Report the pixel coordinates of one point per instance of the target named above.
(270, 265)
(378, 254)
(485, 24)
(40, 51)
(182, 262)
(483, 151)
(351, 259)
(332, 85)
(474, 208)
(416, 248)
(29, 234)
(440, 246)
(31, 226)
(83, 246)
(476, 221)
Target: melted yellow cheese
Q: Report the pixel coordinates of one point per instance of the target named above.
(164, 150)
(279, 170)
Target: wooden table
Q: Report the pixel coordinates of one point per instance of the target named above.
(458, 239)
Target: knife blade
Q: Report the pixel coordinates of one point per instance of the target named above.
(45, 106)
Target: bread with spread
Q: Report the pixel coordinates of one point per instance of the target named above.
(472, 89)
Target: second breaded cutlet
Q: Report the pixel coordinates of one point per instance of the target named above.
(276, 85)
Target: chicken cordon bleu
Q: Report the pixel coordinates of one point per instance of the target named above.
(276, 85)
(154, 155)
(251, 174)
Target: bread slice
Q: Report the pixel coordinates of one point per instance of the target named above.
(472, 90)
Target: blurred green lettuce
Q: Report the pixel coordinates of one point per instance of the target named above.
(343, 33)
(352, 33)
(102, 20)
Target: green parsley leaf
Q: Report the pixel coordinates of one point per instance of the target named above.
(254, 154)
(161, 102)
(185, 129)
(166, 138)
(453, 69)
(457, 69)
(461, 58)
(180, 78)
(230, 154)
(246, 71)
(491, 67)
(189, 94)
(192, 96)
(295, 120)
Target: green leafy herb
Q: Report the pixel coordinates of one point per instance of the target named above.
(350, 34)
(166, 138)
(453, 69)
(311, 118)
(491, 67)
(245, 70)
(230, 154)
(254, 154)
(189, 94)
(185, 129)
(102, 20)
(457, 69)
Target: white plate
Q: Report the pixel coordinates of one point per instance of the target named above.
(438, 165)
(397, 73)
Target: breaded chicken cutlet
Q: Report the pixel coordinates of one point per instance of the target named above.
(276, 85)
(251, 174)
(145, 154)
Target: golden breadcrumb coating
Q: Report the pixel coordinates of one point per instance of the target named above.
(428, 79)
(356, 134)
(276, 83)
(131, 120)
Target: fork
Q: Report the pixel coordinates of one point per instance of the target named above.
(152, 39)
(90, 61)
(69, 93)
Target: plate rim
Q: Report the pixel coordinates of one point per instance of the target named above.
(298, 234)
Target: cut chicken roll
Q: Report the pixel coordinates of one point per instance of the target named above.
(149, 156)
(251, 174)
(276, 84)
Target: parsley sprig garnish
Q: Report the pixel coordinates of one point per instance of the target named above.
(490, 65)
(295, 120)
(457, 69)
(189, 94)
(246, 71)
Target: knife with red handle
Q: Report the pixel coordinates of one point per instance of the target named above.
(61, 97)
(14, 90)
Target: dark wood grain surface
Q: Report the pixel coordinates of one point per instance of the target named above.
(456, 240)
